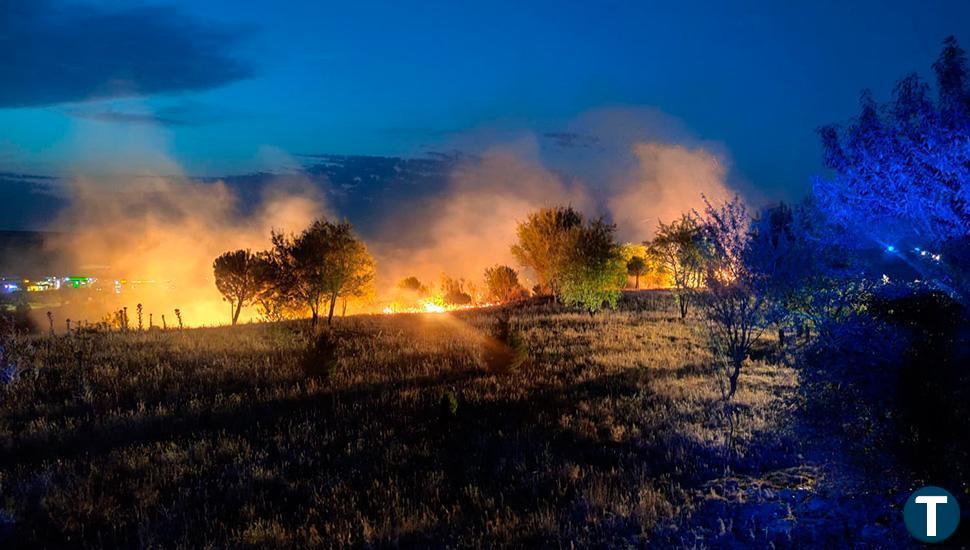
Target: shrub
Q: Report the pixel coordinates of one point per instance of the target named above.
(593, 271)
(320, 360)
(453, 291)
(448, 405)
(502, 284)
(933, 388)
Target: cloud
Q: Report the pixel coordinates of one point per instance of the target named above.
(569, 140)
(27, 199)
(61, 54)
(183, 113)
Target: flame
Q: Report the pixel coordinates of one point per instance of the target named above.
(430, 306)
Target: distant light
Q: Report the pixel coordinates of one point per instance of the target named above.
(890, 248)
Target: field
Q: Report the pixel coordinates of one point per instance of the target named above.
(614, 433)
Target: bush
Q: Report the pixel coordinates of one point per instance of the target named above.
(502, 284)
(895, 379)
(320, 360)
(448, 405)
(933, 393)
(592, 272)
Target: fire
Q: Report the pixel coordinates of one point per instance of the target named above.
(424, 306)
(430, 306)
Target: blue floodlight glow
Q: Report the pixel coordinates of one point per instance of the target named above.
(890, 248)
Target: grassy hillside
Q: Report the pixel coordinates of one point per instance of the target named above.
(219, 437)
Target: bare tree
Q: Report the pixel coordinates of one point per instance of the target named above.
(737, 303)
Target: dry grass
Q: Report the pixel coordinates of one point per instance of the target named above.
(215, 437)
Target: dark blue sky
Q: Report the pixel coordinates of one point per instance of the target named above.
(216, 88)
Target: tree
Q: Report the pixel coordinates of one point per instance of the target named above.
(453, 292)
(678, 251)
(502, 284)
(323, 262)
(808, 268)
(591, 271)
(902, 174)
(635, 267)
(360, 283)
(737, 305)
(542, 242)
(235, 275)
(410, 293)
(412, 284)
(349, 267)
(273, 297)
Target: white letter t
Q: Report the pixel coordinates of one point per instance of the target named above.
(931, 503)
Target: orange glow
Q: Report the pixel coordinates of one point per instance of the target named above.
(430, 306)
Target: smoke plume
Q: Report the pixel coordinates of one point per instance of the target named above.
(158, 237)
(472, 224)
(668, 181)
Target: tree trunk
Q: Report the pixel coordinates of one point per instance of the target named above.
(333, 303)
(235, 314)
(314, 312)
(344, 312)
(636, 285)
(733, 379)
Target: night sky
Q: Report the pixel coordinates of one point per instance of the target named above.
(213, 88)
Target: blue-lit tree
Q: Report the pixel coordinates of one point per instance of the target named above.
(738, 276)
(901, 173)
(808, 268)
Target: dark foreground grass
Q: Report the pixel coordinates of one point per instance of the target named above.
(217, 437)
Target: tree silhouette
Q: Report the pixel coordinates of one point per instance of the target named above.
(636, 266)
(322, 263)
(235, 275)
(412, 284)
